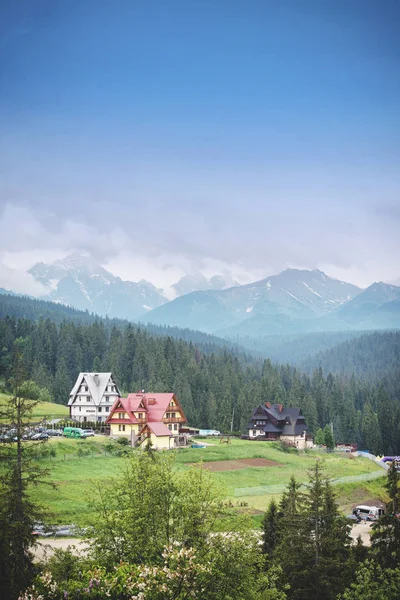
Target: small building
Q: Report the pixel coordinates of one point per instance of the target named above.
(145, 417)
(92, 397)
(274, 422)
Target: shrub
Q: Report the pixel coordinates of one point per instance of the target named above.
(123, 441)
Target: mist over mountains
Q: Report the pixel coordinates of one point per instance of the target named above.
(292, 302)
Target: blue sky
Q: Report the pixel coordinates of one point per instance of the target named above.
(214, 135)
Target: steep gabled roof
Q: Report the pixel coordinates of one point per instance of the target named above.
(126, 407)
(287, 419)
(96, 389)
(155, 406)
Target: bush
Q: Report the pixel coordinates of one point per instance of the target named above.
(123, 441)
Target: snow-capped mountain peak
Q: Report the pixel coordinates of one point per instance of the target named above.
(80, 281)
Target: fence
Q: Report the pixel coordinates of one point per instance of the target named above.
(279, 488)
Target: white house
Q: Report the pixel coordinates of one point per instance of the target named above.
(92, 397)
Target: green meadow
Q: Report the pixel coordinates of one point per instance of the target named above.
(79, 467)
(44, 410)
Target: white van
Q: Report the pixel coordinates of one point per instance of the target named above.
(368, 513)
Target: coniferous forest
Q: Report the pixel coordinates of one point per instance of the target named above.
(215, 383)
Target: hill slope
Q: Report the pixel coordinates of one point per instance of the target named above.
(370, 357)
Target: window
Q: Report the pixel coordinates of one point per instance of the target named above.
(175, 427)
(168, 415)
(173, 415)
(87, 398)
(121, 415)
(99, 408)
(86, 388)
(254, 432)
(119, 427)
(107, 409)
(123, 427)
(170, 426)
(140, 415)
(80, 409)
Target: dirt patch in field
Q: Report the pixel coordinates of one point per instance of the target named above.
(235, 465)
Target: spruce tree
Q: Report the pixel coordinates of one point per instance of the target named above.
(328, 537)
(329, 439)
(19, 472)
(385, 538)
(270, 529)
(319, 437)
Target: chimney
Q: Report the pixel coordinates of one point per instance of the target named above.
(268, 404)
(96, 379)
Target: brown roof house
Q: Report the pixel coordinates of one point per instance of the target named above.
(274, 422)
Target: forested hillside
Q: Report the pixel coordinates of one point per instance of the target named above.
(212, 386)
(294, 349)
(371, 357)
(23, 307)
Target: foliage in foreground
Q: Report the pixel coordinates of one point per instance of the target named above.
(373, 583)
(385, 537)
(308, 539)
(227, 573)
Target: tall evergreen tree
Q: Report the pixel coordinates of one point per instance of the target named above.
(385, 538)
(329, 439)
(270, 529)
(19, 472)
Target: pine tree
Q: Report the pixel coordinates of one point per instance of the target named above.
(289, 551)
(385, 538)
(329, 439)
(319, 438)
(370, 430)
(19, 472)
(62, 384)
(328, 537)
(270, 529)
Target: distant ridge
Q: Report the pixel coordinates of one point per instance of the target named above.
(271, 305)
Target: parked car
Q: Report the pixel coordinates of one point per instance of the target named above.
(88, 432)
(53, 432)
(41, 435)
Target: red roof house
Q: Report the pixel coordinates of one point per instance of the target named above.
(143, 416)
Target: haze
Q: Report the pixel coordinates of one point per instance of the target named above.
(222, 137)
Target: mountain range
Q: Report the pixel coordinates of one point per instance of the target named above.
(292, 302)
(81, 282)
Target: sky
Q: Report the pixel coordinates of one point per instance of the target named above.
(212, 136)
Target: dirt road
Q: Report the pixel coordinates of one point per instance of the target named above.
(46, 546)
(364, 529)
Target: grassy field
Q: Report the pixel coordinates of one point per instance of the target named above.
(48, 410)
(78, 475)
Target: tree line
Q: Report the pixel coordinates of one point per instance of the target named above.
(216, 386)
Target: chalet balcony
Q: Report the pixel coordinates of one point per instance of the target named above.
(174, 420)
(141, 420)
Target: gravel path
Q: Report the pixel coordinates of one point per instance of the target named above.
(46, 546)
